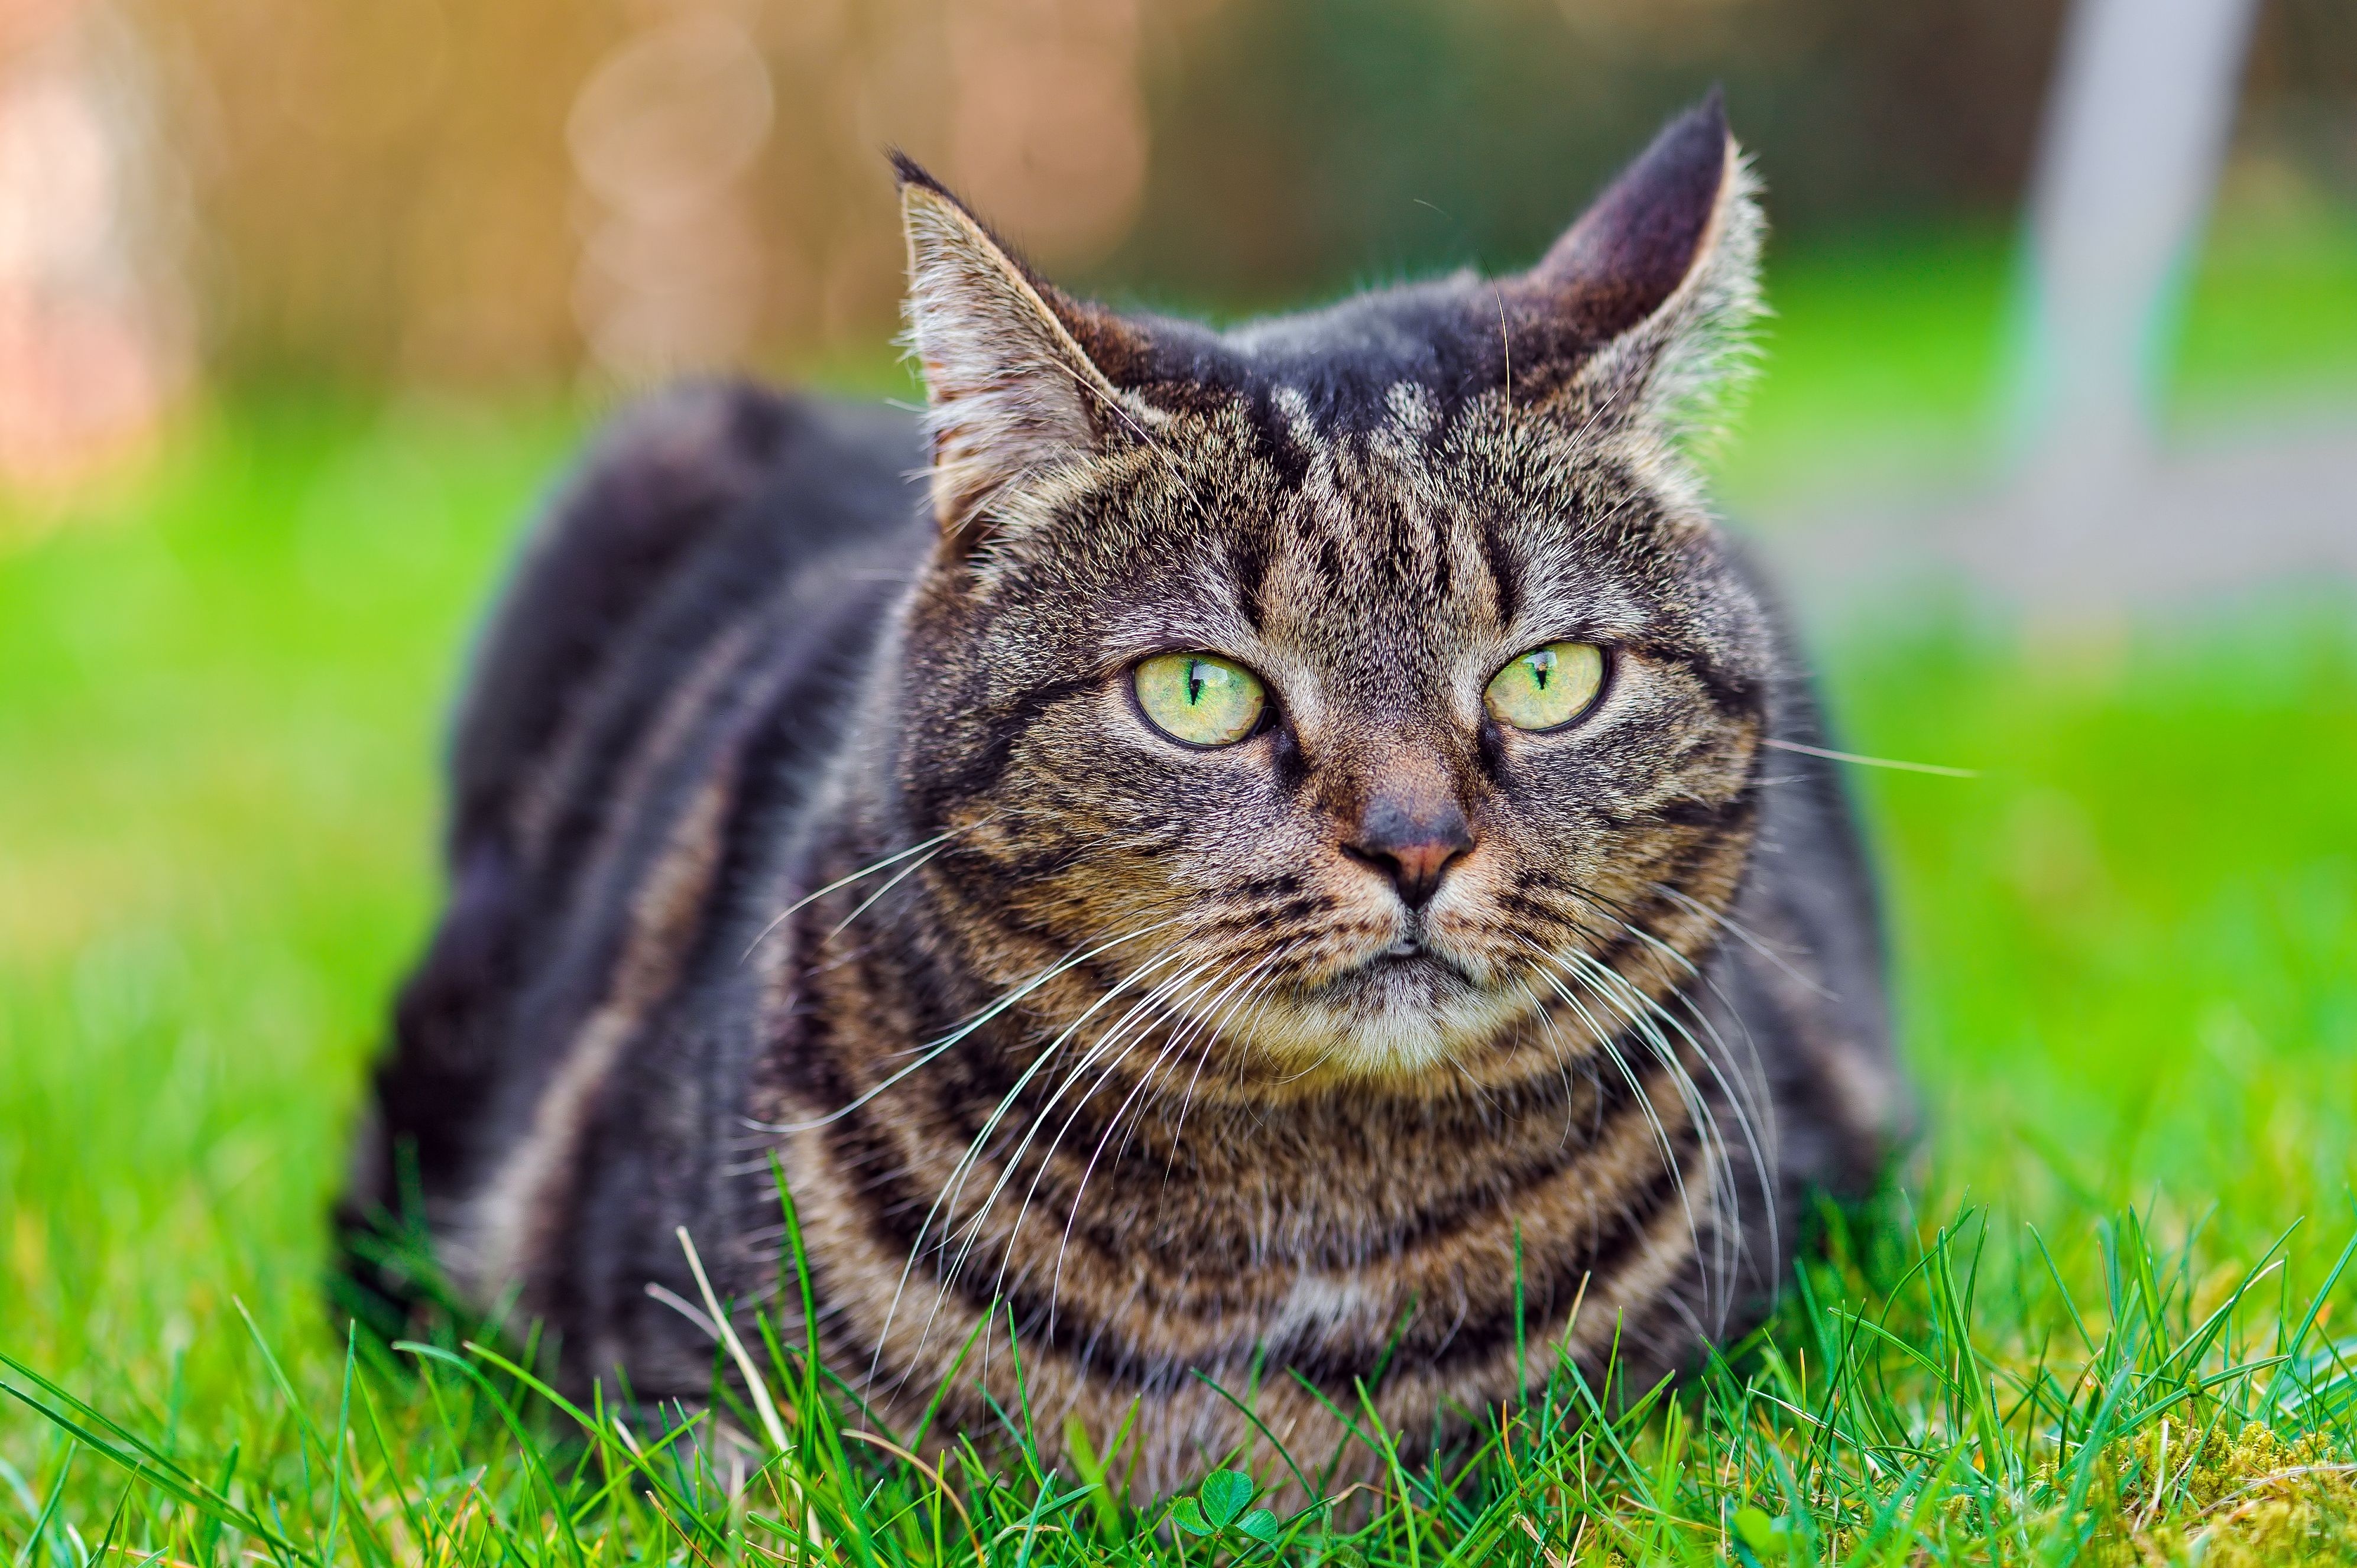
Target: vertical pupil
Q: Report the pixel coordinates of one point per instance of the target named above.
(1196, 674)
(1542, 668)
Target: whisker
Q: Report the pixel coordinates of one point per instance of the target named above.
(1177, 1045)
(1170, 462)
(890, 883)
(1743, 934)
(955, 1184)
(1016, 1229)
(1012, 1164)
(1753, 1103)
(1760, 1100)
(1645, 1017)
(1262, 996)
(1831, 755)
(1643, 1011)
(1607, 1042)
(1562, 1059)
(932, 1051)
(803, 902)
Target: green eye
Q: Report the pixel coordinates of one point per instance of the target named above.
(1547, 687)
(1201, 699)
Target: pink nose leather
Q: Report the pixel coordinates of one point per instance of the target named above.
(1412, 840)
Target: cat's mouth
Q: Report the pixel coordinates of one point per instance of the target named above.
(1415, 948)
(1411, 972)
(1410, 959)
(1400, 1009)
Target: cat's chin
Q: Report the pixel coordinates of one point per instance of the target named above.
(1395, 1016)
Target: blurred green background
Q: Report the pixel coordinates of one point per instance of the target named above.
(361, 275)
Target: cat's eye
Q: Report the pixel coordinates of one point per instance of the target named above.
(1547, 687)
(1199, 699)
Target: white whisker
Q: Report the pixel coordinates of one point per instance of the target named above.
(1607, 1041)
(790, 910)
(933, 1050)
(1009, 1166)
(955, 1184)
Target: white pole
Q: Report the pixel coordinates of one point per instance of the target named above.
(2137, 126)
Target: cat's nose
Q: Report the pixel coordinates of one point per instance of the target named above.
(1412, 840)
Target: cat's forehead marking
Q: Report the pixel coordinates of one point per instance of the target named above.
(1377, 579)
(1413, 410)
(1292, 405)
(1392, 530)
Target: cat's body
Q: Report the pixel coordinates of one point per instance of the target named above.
(795, 819)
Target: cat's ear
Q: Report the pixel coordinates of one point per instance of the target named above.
(1012, 392)
(1643, 308)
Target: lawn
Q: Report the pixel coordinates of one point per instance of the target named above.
(2103, 1321)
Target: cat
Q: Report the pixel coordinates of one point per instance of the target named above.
(1256, 858)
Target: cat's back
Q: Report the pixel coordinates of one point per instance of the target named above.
(659, 690)
(693, 511)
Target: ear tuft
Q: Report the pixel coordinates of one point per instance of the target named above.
(1653, 291)
(1012, 393)
(911, 173)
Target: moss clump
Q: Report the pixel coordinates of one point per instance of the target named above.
(2255, 1500)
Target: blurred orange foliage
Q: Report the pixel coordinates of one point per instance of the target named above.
(512, 192)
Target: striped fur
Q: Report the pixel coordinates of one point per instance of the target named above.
(802, 814)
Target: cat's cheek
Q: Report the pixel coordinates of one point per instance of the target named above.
(1174, 820)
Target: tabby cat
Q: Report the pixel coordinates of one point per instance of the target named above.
(1248, 858)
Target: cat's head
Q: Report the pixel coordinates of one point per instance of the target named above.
(1360, 692)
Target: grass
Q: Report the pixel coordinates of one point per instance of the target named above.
(2105, 1321)
(1886, 365)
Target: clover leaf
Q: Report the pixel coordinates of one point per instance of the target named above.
(1224, 1494)
(1187, 1514)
